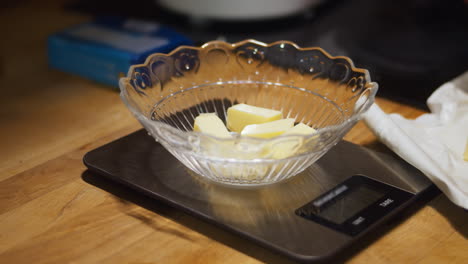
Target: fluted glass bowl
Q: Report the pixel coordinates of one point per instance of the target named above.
(168, 91)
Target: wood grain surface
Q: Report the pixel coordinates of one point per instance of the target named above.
(50, 213)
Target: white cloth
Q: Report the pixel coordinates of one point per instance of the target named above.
(434, 143)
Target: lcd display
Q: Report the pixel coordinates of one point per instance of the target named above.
(350, 203)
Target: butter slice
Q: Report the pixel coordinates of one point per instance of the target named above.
(241, 115)
(289, 146)
(465, 156)
(211, 124)
(300, 129)
(268, 130)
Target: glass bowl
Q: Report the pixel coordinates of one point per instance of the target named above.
(168, 91)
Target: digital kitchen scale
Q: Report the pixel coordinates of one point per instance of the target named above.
(311, 217)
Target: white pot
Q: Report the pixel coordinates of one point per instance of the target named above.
(238, 9)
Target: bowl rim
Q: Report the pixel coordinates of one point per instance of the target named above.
(239, 44)
(370, 88)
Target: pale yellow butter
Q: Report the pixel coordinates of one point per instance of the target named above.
(300, 129)
(241, 115)
(211, 124)
(268, 130)
(287, 147)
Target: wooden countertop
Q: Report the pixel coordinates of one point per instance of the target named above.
(48, 214)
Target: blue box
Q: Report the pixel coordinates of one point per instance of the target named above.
(103, 50)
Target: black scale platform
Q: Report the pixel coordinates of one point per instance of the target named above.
(314, 216)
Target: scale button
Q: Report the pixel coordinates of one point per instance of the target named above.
(358, 220)
(387, 202)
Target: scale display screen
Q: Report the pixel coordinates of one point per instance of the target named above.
(354, 204)
(357, 199)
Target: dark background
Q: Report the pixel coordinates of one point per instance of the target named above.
(410, 47)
